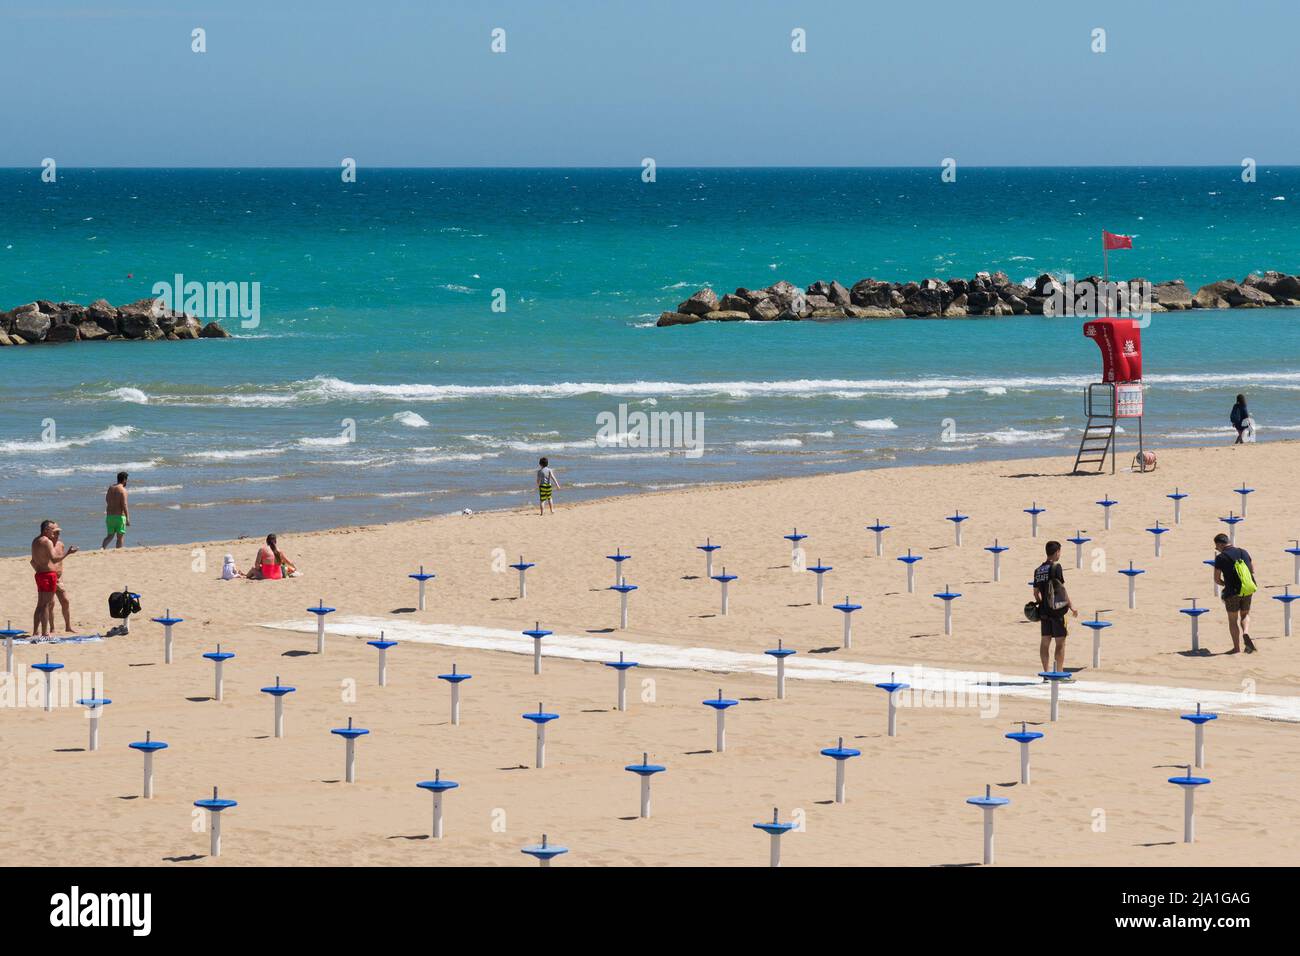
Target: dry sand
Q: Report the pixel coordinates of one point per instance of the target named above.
(1099, 793)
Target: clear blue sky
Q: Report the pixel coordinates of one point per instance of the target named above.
(606, 82)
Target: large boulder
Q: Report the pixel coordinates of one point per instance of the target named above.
(820, 288)
(765, 310)
(32, 326)
(923, 301)
(834, 312)
(872, 312)
(90, 331)
(705, 300)
(63, 332)
(1214, 295)
(72, 308)
(1172, 295)
(103, 314)
(46, 306)
(137, 325)
(728, 303)
(717, 316)
(753, 296)
(1282, 287)
(213, 331)
(676, 318)
(7, 318)
(787, 296)
(815, 302)
(1046, 285)
(871, 293)
(187, 327)
(1249, 297)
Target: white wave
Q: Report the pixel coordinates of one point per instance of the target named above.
(107, 469)
(411, 419)
(127, 394)
(154, 489)
(110, 434)
(619, 455)
(995, 390)
(328, 441)
(771, 443)
(330, 389)
(517, 445)
(819, 434)
(1017, 436)
(234, 454)
(452, 287)
(438, 459)
(877, 424)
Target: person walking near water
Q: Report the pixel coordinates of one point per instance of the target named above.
(1234, 572)
(546, 485)
(1240, 418)
(1053, 605)
(117, 516)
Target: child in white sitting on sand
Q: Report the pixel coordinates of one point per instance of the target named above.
(229, 570)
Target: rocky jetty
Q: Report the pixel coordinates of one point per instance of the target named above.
(44, 321)
(987, 294)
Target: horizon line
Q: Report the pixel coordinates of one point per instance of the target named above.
(637, 166)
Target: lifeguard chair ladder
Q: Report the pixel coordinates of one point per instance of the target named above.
(1099, 434)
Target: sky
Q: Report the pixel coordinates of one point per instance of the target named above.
(610, 82)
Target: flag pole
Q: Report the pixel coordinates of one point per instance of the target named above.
(1105, 259)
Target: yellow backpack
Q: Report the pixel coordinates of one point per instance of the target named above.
(1247, 579)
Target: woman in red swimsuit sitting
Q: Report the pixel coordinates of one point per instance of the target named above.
(270, 563)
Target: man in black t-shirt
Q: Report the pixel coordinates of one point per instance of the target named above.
(1053, 605)
(1234, 602)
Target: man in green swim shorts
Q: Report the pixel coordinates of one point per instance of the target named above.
(118, 517)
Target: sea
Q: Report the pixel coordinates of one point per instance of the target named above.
(424, 336)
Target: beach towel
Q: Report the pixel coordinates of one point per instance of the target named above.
(69, 639)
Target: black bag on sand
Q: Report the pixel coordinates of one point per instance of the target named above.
(123, 603)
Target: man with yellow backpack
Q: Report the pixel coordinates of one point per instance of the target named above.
(1235, 574)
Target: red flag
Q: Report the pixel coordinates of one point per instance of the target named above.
(1110, 240)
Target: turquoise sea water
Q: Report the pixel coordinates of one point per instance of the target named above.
(376, 310)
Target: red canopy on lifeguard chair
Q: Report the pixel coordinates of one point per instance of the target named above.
(1120, 341)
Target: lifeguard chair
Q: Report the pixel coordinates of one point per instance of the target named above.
(1117, 396)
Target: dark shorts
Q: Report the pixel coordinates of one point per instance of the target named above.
(1235, 602)
(1050, 625)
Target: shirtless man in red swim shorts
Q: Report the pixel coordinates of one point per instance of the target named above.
(47, 561)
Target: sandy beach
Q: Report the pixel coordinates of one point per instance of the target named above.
(1099, 794)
